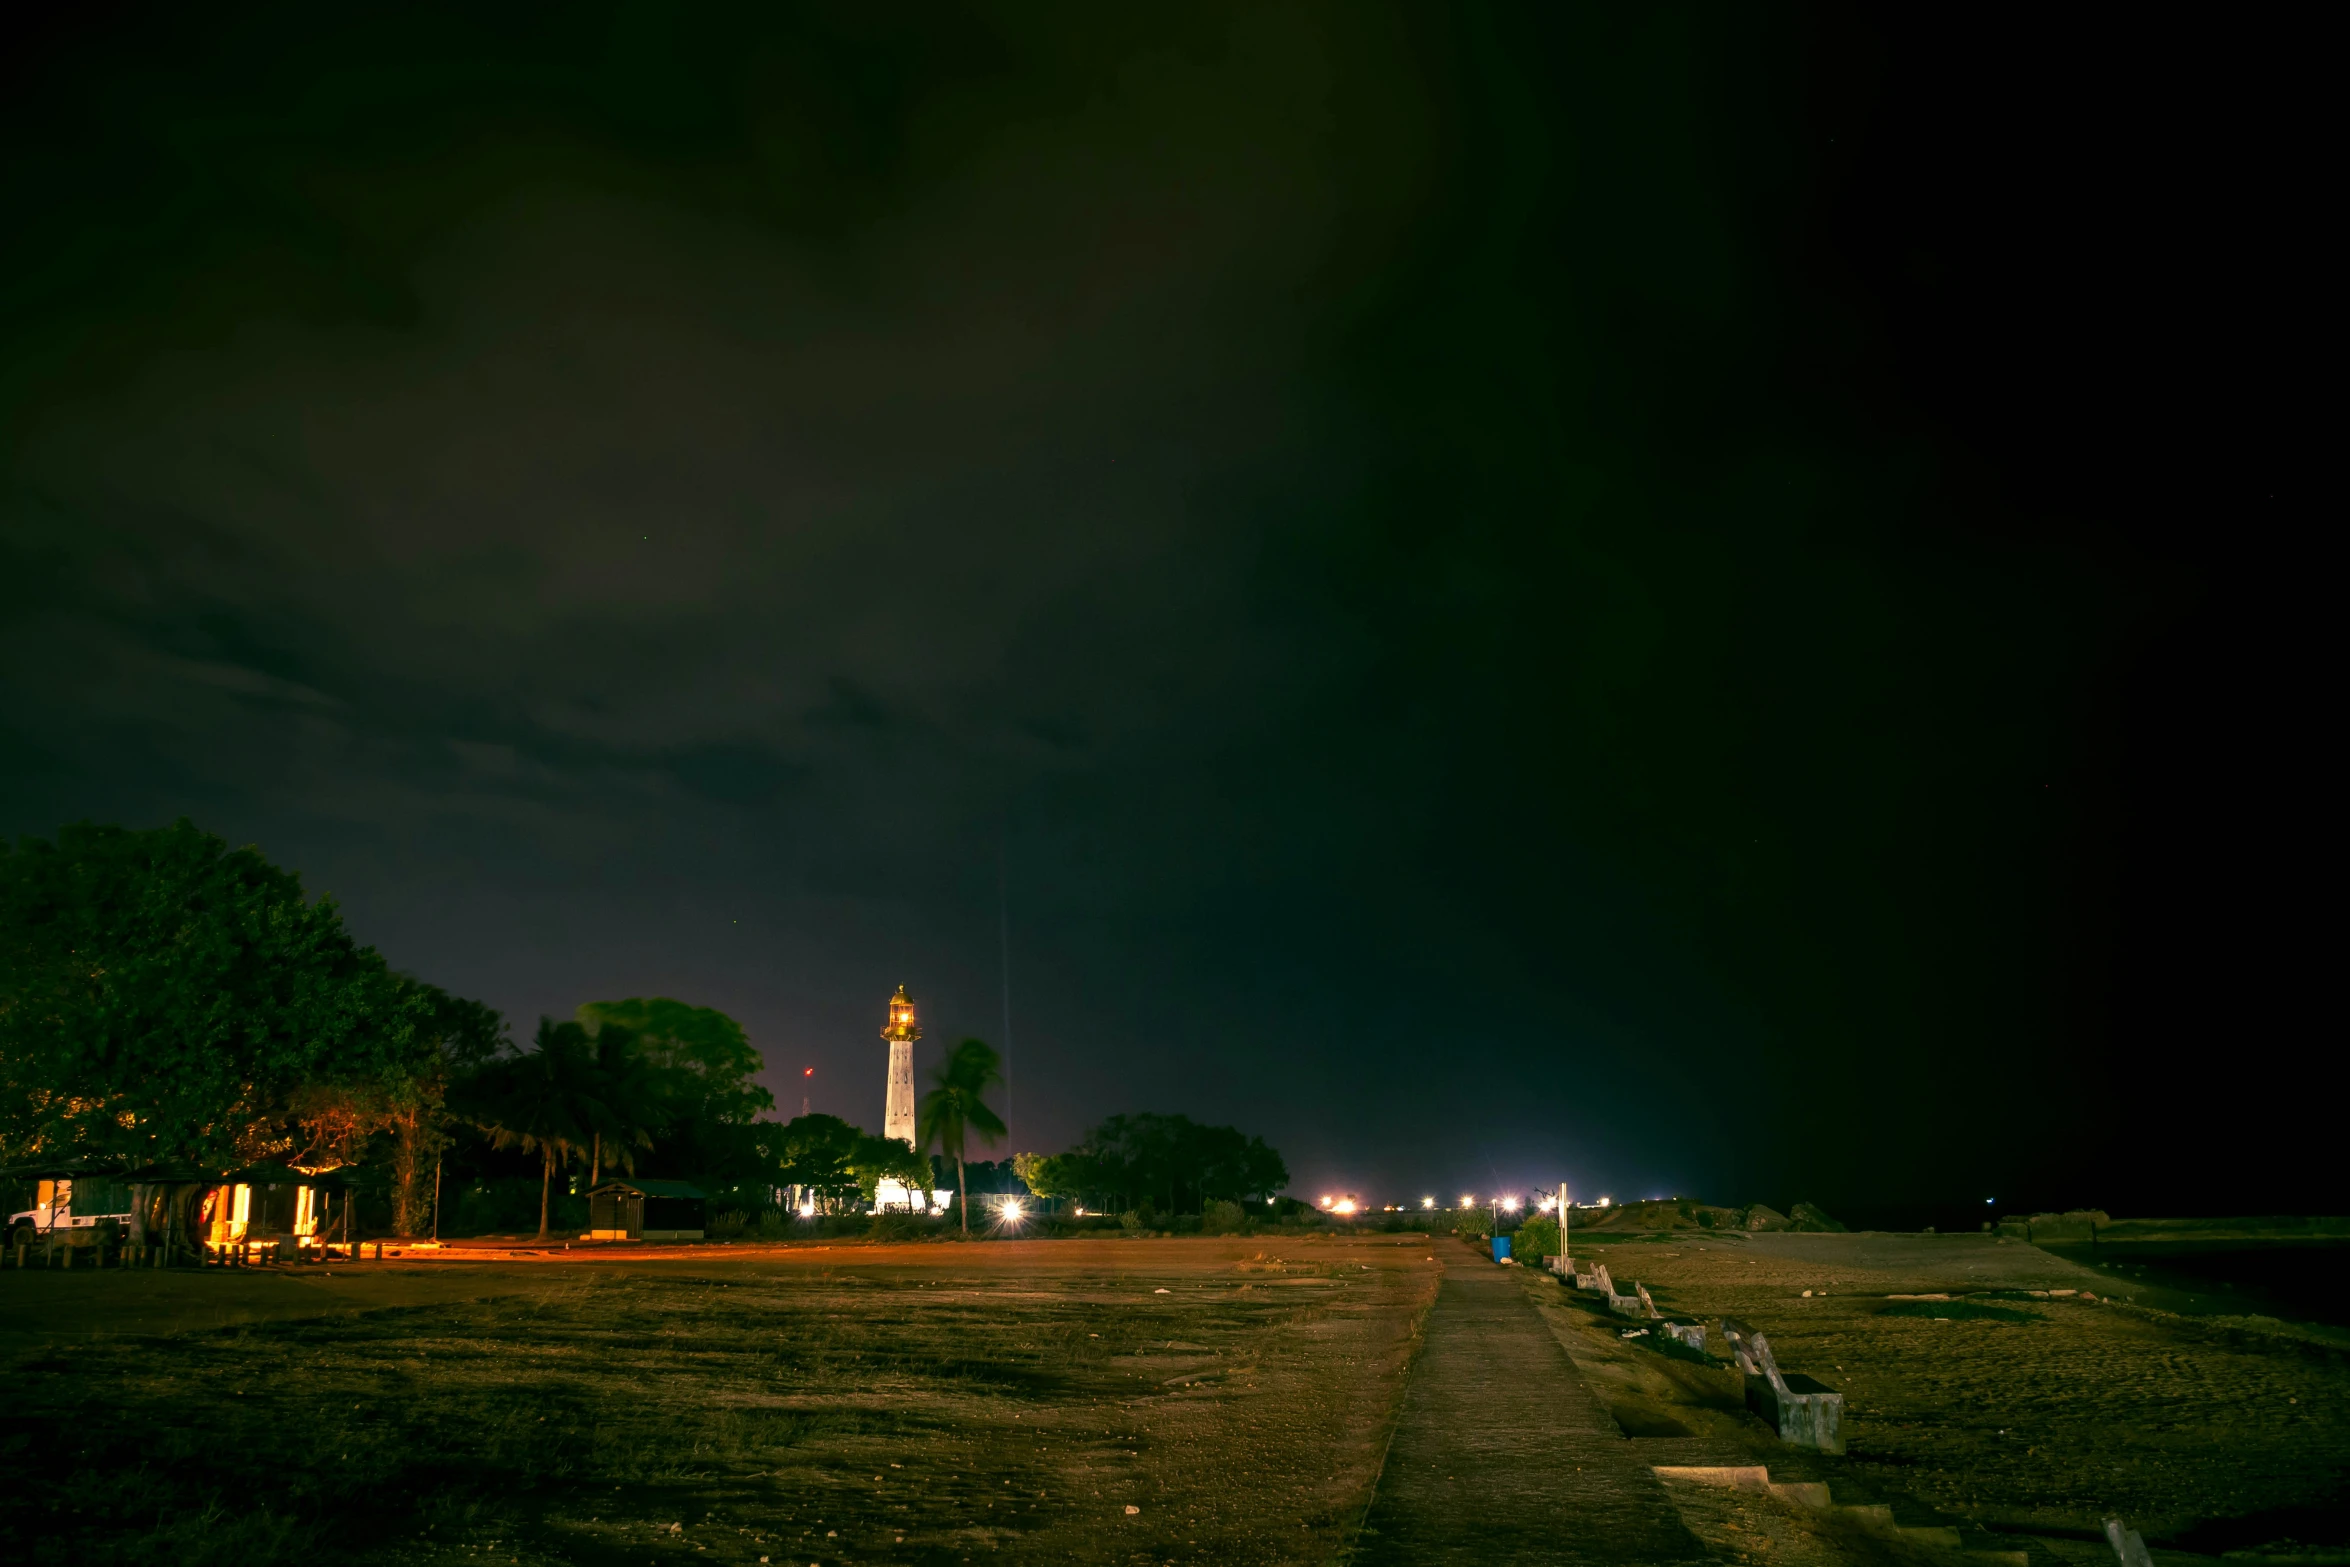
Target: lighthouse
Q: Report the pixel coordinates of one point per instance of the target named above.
(897, 1115)
(897, 1111)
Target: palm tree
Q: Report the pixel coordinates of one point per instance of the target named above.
(954, 1109)
(626, 1101)
(543, 1102)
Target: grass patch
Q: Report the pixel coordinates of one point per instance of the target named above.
(1658, 1342)
(809, 1414)
(1957, 1311)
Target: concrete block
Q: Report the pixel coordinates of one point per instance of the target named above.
(1804, 1412)
(1744, 1477)
(2128, 1549)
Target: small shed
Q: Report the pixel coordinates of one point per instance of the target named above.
(637, 1210)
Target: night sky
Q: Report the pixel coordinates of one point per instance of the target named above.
(1698, 601)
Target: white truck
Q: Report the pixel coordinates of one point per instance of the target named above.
(80, 1203)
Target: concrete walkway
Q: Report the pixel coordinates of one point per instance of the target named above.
(1503, 1456)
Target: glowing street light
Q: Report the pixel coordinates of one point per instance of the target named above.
(1344, 1205)
(1604, 1201)
(1468, 1199)
(1427, 1202)
(1509, 1205)
(1011, 1210)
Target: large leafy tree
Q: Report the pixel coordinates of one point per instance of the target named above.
(878, 1159)
(955, 1109)
(1054, 1174)
(819, 1152)
(340, 1119)
(710, 1066)
(462, 1036)
(698, 1096)
(166, 997)
(1132, 1159)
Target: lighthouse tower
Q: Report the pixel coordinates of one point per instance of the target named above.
(897, 1115)
(897, 1112)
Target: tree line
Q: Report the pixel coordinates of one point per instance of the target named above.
(166, 999)
(1158, 1163)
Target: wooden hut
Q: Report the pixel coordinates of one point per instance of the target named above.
(640, 1210)
(269, 1205)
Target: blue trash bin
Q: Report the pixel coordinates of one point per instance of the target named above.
(1501, 1248)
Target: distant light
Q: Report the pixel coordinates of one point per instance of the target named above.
(1509, 1204)
(1427, 1202)
(811, 1072)
(1344, 1205)
(1990, 1199)
(1011, 1210)
(1325, 1202)
(1081, 1213)
(1604, 1201)
(1547, 1204)
(808, 1209)
(1271, 1200)
(1468, 1199)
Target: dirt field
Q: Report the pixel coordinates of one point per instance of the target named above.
(1009, 1402)
(2211, 1434)
(1097, 1401)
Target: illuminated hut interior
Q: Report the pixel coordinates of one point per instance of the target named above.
(270, 1205)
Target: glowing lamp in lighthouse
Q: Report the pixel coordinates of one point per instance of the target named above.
(902, 1029)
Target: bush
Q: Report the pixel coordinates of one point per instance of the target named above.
(729, 1225)
(1223, 1218)
(1535, 1240)
(774, 1224)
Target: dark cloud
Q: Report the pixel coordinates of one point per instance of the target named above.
(1407, 555)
